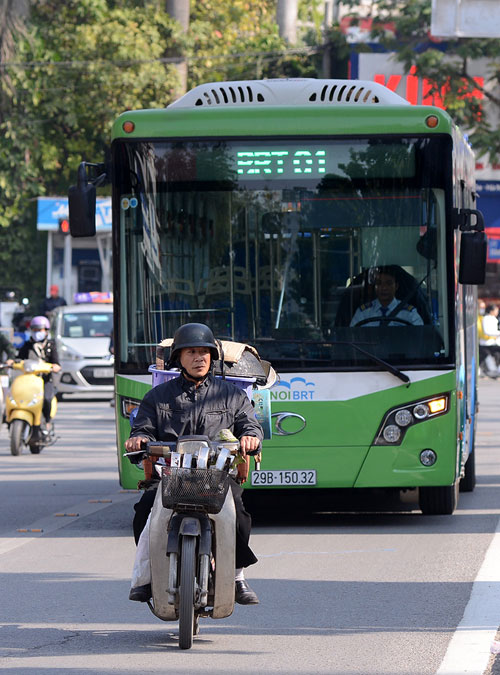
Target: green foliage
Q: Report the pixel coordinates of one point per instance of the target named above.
(233, 41)
(447, 65)
(240, 40)
(69, 68)
(69, 79)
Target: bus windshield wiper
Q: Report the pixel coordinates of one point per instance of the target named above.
(390, 368)
(387, 366)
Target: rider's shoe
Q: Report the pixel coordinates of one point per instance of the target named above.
(244, 594)
(140, 593)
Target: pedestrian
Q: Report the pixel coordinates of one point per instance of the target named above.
(489, 341)
(53, 301)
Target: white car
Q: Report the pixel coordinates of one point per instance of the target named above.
(83, 335)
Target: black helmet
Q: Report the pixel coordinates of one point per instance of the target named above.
(193, 335)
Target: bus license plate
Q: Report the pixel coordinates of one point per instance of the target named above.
(299, 477)
(103, 372)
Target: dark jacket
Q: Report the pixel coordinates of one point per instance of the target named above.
(177, 408)
(46, 351)
(49, 304)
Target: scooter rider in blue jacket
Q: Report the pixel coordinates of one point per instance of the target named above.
(197, 403)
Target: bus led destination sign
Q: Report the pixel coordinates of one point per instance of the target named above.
(281, 163)
(346, 159)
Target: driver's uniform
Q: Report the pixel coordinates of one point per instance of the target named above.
(375, 310)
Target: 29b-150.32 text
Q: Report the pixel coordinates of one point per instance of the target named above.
(299, 477)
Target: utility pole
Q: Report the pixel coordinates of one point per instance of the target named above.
(286, 18)
(179, 10)
(327, 23)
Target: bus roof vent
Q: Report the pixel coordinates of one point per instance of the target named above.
(293, 91)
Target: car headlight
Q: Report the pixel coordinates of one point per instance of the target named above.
(396, 421)
(70, 354)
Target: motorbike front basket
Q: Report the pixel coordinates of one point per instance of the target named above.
(199, 489)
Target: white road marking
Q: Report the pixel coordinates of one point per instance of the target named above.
(469, 648)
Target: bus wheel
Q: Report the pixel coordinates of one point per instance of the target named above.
(438, 501)
(468, 482)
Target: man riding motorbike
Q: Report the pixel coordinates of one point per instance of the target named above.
(40, 347)
(197, 403)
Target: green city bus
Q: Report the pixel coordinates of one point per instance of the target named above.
(266, 209)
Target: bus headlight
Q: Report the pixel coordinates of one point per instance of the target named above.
(428, 457)
(392, 433)
(421, 411)
(396, 421)
(128, 405)
(403, 417)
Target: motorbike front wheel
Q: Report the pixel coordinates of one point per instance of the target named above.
(19, 430)
(186, 592)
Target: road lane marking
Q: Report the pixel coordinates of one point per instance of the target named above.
(469, 648)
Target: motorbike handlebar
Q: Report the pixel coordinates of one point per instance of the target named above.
(152, 449)
(156, 449)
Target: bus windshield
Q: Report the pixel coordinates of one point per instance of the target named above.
(290, 245)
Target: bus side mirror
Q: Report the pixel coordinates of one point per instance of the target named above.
(473, 248)
(81, 202)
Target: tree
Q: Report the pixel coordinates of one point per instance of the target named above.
(70, 78)
(240, 40)
(447, 65)
(64, 81)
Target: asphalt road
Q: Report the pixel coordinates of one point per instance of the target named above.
(373, 592)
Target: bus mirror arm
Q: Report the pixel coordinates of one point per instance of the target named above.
(462, 220)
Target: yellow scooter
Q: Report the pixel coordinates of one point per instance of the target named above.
(23, 408)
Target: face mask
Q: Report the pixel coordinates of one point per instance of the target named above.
(39, 335)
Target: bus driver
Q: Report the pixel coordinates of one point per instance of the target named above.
(386, 304)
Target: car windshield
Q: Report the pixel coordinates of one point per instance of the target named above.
(87, 325)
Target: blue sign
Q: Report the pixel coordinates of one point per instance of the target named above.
(493, 249)
(52, 209)
(489, 202)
